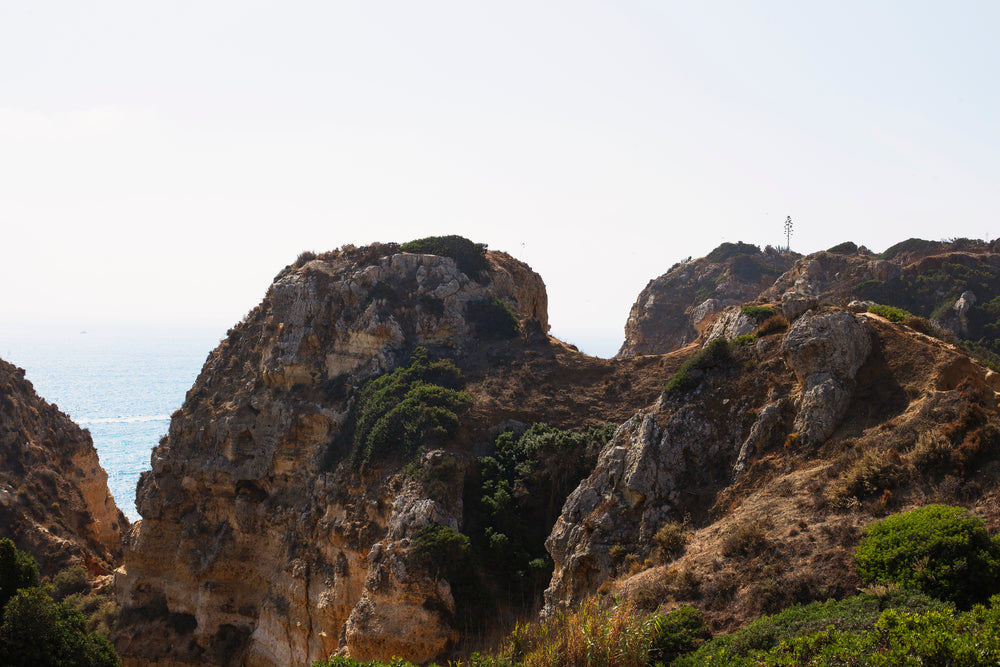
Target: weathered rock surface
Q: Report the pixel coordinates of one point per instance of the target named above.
(255, 548)
(725, 458)
(54, 498)
(824, 350)
(927, 278)
(674, 309)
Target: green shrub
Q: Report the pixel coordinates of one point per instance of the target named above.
(909, 245)
(845, 248)
(414, 406)
(745, 339)
(525, 482)
(470, 257)
(942, 550)
(69, 581)
(851, 615)
(759, 313)
(39, 631)
(679, 632)
(730, 250)
(897, 638)
(17, 571)
(890, 313)
(440, 549)
(493, 318)
(716, 355)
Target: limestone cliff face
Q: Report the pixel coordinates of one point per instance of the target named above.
(54, 498)
(256, 547)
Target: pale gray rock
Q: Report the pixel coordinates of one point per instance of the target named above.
(794, 303)
(825, 350)
(731, 324)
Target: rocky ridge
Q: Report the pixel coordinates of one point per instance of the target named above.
(263, 542)
(54, 498)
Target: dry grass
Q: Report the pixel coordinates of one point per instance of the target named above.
(594, 636)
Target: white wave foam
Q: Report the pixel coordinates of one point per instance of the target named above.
(124, 420)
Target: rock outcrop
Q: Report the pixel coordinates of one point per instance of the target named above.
(751, 433)
(54, 498)
(941, 281)
(674, 309)
(825, 350)
(262, 541)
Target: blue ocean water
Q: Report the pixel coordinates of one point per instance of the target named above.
(121, 386)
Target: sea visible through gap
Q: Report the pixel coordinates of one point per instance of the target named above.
(121, 386)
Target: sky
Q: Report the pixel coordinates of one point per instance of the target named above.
(161, 162)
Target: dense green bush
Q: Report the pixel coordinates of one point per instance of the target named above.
(493, 318)
(440, 549)
(69, 581)
(942, 550)
(910, 245)
(524, 484)
(851, 615)
(716, 355)
(679, 632)
(470, 257)
(37, 631)
(758, 313)
(729, 250)
(415, 405)
(17, 571)
(891, 313)
(845, 248)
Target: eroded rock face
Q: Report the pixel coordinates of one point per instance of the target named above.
(54, 498)
(665, 461)
(674, 309)
(825, 350)
(256, 546)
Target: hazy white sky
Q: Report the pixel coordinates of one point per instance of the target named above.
(161, 162)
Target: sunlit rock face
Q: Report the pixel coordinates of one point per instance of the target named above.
(54, 498)
(258, 544)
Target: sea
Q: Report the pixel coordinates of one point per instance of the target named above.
(121, 385)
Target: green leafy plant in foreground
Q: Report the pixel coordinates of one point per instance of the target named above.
(942, 550)
(35, 630)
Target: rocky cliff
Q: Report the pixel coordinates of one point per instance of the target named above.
(324, 482)
(54, 499)
(760, 473)
(673, 310)
(265, 538)
(952, 283)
